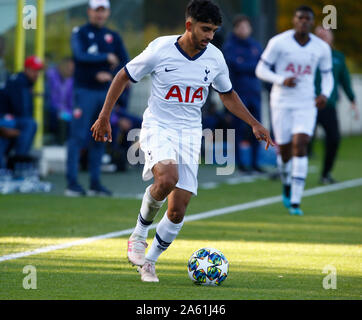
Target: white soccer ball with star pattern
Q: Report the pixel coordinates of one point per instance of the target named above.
(208, 267)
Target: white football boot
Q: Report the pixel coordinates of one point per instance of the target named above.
(148, 272)
(136, 251)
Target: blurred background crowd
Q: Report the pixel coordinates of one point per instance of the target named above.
(68, 93)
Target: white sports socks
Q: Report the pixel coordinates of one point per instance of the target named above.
(148, 212)
(299, 174)
(166, 232)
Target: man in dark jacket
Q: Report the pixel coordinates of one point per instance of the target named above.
(242, 54)
(98, 54)
(327, 117)
(16, 110)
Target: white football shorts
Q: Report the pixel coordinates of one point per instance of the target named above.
(287, 122)
(181, 146)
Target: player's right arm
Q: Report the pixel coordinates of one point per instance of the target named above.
(101, 129)
(134, 71)
(327, 82)
(268, 59)
(233, 103)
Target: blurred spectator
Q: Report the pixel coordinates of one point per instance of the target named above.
(7, 133)
(242, 54)
(98, 54)
(16, 111)
(6, 129)
(59, 87)
(219, 38)
(3, 71)
(327, 117)
(122, 122)
(211, 117)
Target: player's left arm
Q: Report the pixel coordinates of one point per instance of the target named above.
(234, 104)
(101, 129)
(327, 81)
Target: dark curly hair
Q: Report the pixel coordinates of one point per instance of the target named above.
(204, 11)
(305, 9)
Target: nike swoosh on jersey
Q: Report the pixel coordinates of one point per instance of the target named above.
(169, 70)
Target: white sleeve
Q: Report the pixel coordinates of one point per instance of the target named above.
(268, 58)
(264, 73)
(143, 64)
(327, 83)
(325, 67)
(325, 61)
(222, 83)
(271, 52)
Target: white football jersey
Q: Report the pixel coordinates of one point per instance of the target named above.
(180, 84)
(289, 58)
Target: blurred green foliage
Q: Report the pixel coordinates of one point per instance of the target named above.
(59, 28)
(139, 22)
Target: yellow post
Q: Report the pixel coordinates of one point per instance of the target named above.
(19, 38)
(39, 85)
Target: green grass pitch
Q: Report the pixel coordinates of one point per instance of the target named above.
(272, 255)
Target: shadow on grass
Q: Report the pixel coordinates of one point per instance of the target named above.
(112, 279)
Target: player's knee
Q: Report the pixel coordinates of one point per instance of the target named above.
(300, 148)
(167, 182)
(176, 215)
(300, 151)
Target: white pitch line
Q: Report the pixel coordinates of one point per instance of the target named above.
(197, 216)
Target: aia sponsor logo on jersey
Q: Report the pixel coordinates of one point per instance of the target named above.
(191, 95)
(299, 70)
(108, 38)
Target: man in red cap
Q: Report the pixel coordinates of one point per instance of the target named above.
(16, 109)
(33, 65)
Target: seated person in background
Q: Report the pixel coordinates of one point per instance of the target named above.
(3, 70)
(59, 93)
(122, 122)
(7, 133)
(16, 110)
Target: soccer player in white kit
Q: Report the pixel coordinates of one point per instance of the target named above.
(295, 55)
(182, 68)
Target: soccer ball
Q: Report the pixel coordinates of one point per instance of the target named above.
(208, 267)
